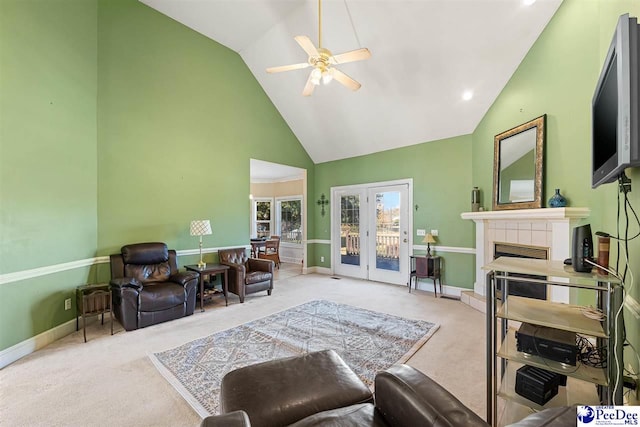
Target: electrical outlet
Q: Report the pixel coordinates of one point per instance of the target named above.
(421, 232)
(434, 233)
(321, 259)
(632, 305)
(67, 304)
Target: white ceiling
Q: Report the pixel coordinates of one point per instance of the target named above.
(425, 54)
(264, 172)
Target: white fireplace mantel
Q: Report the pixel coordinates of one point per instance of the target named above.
(546, 227)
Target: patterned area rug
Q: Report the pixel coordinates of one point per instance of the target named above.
(368, 341)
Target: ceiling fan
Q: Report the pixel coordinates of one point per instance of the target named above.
(322, 61)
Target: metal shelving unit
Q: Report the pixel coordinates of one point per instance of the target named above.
(504, 310)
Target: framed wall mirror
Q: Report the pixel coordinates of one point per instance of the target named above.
(518, 166)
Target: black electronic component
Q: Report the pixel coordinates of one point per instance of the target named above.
(538, 385)
(550, 343)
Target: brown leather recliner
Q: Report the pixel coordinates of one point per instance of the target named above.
(147, 287)
(247, 275)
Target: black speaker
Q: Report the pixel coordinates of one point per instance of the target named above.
(582, 248)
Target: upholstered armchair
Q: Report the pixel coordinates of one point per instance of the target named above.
(247, 275)
(147, 287)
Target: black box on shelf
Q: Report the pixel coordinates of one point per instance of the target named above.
(550, 343)
(538, 385)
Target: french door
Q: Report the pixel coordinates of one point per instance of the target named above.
(370, 235)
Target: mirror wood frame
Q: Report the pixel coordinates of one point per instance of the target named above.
(540, 138)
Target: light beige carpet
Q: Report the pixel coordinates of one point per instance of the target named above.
(110, 381)
(368, 341)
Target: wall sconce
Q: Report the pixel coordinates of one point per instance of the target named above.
(322, 203)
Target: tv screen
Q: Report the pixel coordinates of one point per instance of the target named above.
(615, 111)
(605, 118)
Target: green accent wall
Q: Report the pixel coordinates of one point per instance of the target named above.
(179, 117)
(119, 125)
(441, 173)
(557, 78)
(48, 164)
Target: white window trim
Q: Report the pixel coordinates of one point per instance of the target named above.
(278, 218)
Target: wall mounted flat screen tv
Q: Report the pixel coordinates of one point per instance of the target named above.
(615, 113)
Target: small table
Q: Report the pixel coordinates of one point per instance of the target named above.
(210, 269)
(93, 300)
(432, 271)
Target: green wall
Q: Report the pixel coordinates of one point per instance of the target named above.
(557, 78)
(441, 173)
(48, 166)
(179, 117)
(119, 125)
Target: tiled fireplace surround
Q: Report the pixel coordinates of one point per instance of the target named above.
(547, 227)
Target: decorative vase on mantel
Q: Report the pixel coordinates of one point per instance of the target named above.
(557, 200)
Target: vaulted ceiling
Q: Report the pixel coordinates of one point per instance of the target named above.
(425, 55)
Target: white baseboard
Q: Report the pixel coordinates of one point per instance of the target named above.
(451, 291)
(318, 270)
(28, 346)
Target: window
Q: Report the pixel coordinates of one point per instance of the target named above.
(289, 219)
(261, 223)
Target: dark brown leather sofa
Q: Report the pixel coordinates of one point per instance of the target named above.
(247, 275)
(319, 389)
(147, 287)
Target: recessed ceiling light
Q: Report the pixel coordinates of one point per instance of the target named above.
(467, 95)
(528, 2)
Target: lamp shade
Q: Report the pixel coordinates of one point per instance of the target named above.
(200, 227)
(429, 238)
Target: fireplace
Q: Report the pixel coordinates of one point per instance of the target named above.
(542, 228)
(518, 288)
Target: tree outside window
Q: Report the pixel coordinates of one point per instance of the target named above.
(263, 218)
(290, 220)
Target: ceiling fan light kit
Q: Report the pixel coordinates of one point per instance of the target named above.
(323, 61)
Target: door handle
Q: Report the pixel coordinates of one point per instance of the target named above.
(405, 240)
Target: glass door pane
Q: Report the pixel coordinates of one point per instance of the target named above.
(388, 210)
(350, 229)
(348, 212)
(387, 232)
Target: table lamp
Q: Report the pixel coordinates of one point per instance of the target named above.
(201, 227)
(428, 239)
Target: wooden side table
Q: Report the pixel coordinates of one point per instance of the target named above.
(93, 300)
(426, 267)
(211, 269)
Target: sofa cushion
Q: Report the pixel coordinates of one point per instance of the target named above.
(565, 416)
(363, 414)
(145, 253)
(270, 392)
(161, 296)
(257, 277)
(407, 397)
(148, 273)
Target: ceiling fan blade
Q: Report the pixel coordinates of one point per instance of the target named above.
(308, 88)
(344, 79)
(288, 67)
(351, 56)
(306, 44)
